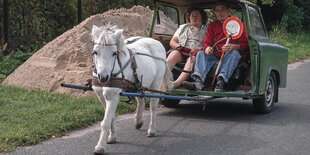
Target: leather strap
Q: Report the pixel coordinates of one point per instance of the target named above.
(115, 82)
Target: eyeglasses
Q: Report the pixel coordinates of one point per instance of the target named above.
(218, 10)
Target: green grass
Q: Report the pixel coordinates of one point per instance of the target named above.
(2, 77)
(298, 44)
(30, 116)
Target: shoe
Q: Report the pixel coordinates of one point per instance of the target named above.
(175, 87)
(219, 85)
(192, 85)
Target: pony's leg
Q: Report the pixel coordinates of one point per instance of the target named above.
(139, 113)
(152, 127)
(112, 135)
(112, 99)
(100, 96)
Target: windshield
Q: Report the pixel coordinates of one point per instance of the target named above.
(166, 21)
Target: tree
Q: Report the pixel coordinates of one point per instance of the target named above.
(5, 23)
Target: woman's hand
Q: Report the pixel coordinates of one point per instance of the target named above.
(174, 43)
(178, 46)
(195, 50)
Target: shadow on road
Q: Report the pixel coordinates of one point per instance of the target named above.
(237, 110)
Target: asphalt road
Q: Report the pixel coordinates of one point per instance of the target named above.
(227, 126)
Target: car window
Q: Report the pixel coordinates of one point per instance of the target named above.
(166, 21)
(212, 16)
(257, 27)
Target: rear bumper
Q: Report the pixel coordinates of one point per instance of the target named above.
(237, 94)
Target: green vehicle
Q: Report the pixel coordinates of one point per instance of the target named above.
(257, 78)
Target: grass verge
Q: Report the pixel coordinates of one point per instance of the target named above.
(30, 116)
(298, 44)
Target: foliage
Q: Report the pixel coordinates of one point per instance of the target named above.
(10, 62)
(30, 116)
(35, 23)
(294, 15)
(304, 7)
(264, 2)
(293, 18)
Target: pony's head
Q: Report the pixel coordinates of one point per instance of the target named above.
(109, 42)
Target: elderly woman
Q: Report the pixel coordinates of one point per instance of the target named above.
(191, 36)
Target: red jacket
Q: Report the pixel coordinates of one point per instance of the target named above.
(215, 33)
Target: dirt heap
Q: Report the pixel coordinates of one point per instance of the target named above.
(67, 59)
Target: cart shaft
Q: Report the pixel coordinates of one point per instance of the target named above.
(167, 96)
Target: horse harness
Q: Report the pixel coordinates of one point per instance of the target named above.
(120, 82)
(123, 83)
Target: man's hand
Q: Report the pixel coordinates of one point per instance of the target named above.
(209, 50)
(229, 47)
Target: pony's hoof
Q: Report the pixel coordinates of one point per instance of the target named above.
(139, 125)
(111, 140)
(151, 134)
(98, 151)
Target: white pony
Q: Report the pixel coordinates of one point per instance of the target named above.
(109, 42)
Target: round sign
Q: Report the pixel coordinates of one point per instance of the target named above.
(233, 27)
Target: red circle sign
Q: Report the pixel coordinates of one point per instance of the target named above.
(233, 27)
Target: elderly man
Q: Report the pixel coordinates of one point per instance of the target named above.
(207, 58)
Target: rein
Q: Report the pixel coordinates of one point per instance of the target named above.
(132, 54)
(164, 60)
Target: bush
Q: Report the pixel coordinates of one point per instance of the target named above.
(305, 5)
(293, 18)
(9, 63)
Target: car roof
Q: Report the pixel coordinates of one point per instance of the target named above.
(196, 2)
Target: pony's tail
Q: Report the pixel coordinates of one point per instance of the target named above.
(168, 79)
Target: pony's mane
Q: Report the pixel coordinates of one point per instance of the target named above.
(105, 36)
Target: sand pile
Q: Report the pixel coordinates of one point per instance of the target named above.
(67, 58)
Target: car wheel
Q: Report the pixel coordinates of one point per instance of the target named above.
(264, 103)
(170, 102)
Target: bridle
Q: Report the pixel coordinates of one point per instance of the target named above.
(137, 83)
(116, 58)
(131, 60)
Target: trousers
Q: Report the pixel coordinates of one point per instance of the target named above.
(204, 63)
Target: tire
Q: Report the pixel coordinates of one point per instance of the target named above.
(170, 103)
(264, 103)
